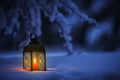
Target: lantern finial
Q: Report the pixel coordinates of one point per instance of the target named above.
(33, 39)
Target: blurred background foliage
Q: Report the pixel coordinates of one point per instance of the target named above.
(17, 21)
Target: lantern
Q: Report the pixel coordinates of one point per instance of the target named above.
(34, 56)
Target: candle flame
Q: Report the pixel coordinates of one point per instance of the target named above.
(34, 60)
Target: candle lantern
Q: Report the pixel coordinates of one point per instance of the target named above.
(34, 56)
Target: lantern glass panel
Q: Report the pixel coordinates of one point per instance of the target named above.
(27, 61)
(41, 60)
(38, 60)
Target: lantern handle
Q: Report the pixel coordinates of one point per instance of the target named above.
(33, 33)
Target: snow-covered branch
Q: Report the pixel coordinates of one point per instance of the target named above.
(24, 17)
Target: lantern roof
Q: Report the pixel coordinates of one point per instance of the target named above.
(33, 45)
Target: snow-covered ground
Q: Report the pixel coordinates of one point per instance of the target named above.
(85, 66)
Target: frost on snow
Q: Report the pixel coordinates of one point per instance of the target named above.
(21, 17)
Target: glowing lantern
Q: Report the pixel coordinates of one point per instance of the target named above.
(34, 56)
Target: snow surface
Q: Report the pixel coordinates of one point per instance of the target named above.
(92, 66)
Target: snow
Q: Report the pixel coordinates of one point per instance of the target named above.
(85, 66)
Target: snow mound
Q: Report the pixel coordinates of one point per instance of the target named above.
(97, 66)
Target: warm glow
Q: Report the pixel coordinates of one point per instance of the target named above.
(34, 60)
(25, 61)
(40, 61)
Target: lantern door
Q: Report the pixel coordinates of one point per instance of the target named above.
(35, 61)
(38, 61)
(27, 60)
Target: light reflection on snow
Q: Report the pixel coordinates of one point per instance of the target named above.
(20, 69)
